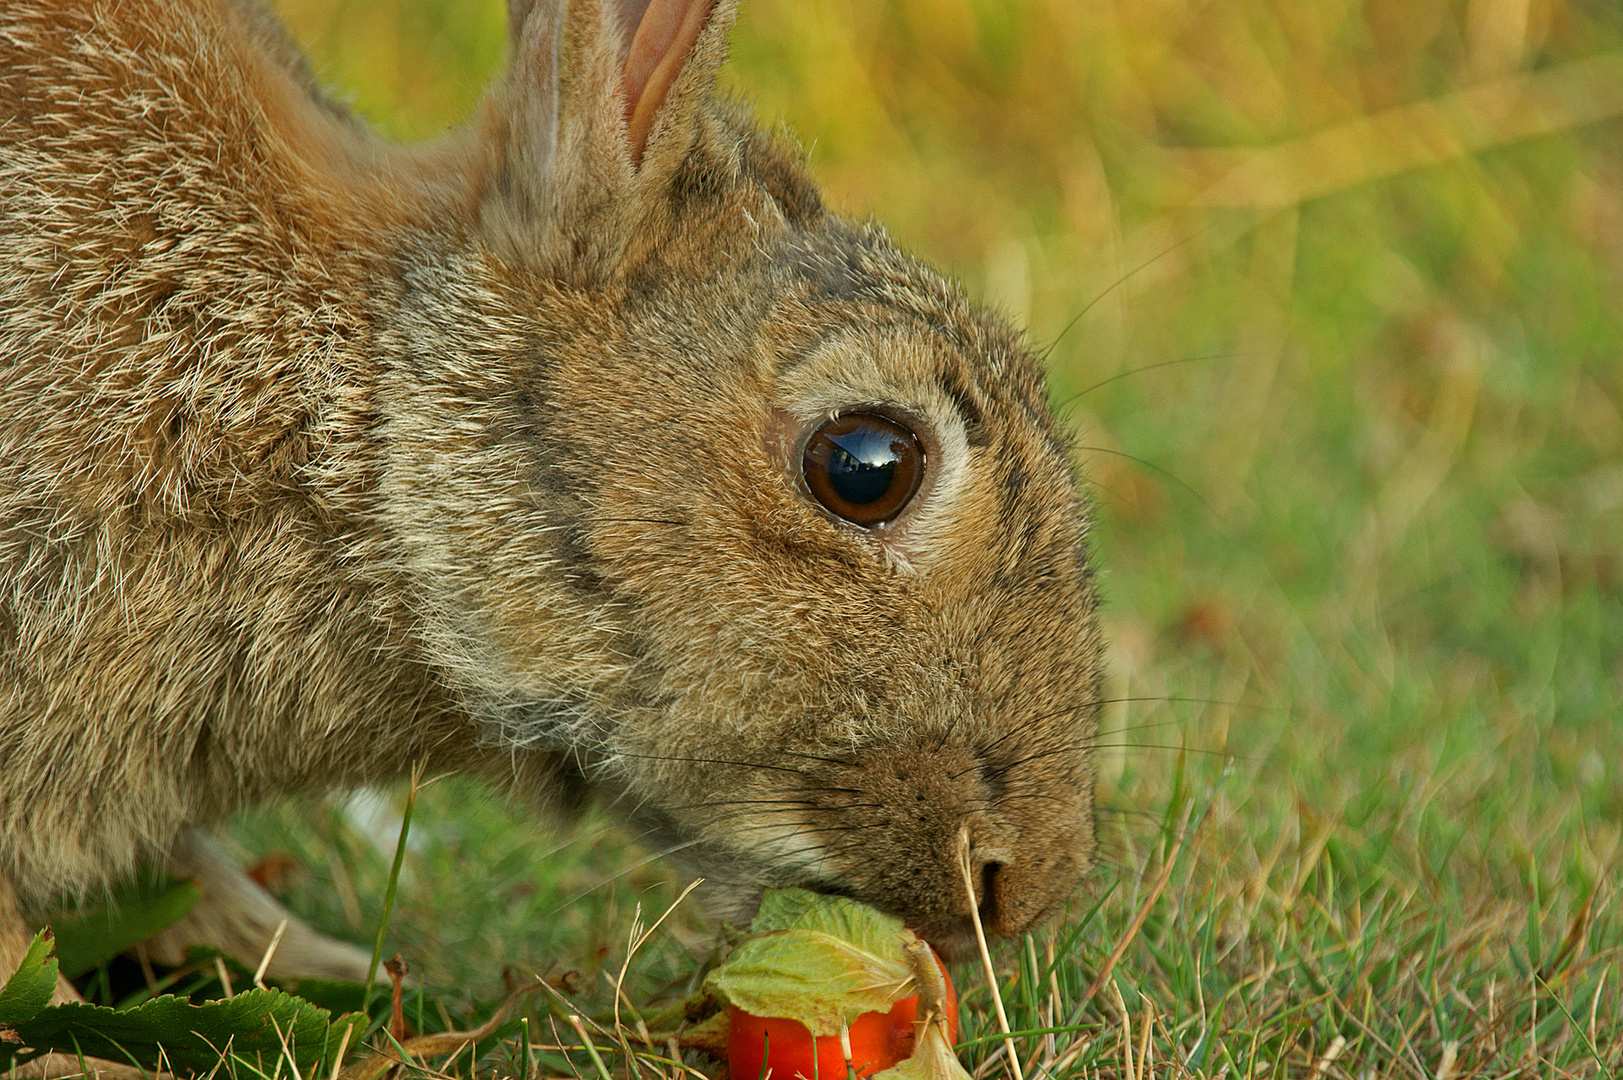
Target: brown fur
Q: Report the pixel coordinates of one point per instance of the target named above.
(321, 457)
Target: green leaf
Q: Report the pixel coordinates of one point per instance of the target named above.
(28, 990)
(251, 1026)
(849, 920)
(94, 938)
(818, 960)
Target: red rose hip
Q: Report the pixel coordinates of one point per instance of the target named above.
(757, 1045)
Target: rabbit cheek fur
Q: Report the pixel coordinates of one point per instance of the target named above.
(323, 457)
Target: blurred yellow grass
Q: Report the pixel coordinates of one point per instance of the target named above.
(1045, 147)
(1413, 136)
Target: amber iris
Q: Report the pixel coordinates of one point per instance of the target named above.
(863, 467)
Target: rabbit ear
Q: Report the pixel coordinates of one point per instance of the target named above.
(666, 33)
(597, 88)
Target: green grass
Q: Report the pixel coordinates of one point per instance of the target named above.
(1360, 486)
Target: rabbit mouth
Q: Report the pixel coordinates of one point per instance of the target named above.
(954, 944)
(920, 834)
(952, 934)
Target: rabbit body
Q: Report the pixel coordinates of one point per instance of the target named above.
(322, 457)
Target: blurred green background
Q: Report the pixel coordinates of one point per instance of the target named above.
(1331, 293)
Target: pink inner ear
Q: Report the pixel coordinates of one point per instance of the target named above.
(662, 45)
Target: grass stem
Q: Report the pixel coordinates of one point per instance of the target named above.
(986, 955)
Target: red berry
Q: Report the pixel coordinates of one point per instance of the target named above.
(756, 1044)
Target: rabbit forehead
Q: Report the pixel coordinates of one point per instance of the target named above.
(883, 363)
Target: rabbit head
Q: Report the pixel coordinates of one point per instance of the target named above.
(731, 512)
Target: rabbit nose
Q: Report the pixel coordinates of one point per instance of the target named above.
(987, 904)
(1001, 907)
(917, 830)
(1012, 893)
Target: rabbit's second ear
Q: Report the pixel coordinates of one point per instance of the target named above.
(598, 90)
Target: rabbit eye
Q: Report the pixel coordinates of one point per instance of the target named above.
(864, 467)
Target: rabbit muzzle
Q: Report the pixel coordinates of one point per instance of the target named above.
(924, 830)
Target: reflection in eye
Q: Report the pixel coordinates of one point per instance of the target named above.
(863, 467)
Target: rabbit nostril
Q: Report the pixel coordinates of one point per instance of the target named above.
(989, 904)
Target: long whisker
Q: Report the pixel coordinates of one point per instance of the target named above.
(1153, 467)
(1147, 368)
(1114, 285)
(820, 757)
(712, 761)
(1223, 755)
(1042, 718)
(612, 878)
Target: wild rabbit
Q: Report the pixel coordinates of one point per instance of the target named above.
(584, 450)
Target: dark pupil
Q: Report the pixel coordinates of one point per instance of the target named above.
(862, 464)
